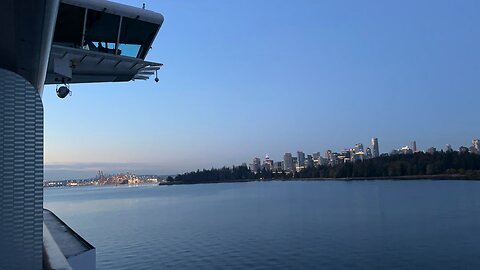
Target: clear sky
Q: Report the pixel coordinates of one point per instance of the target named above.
(246, 78)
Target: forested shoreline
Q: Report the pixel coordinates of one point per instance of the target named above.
(439, 165)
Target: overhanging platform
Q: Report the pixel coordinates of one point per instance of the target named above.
(63, 247)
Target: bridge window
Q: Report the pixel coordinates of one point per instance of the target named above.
(136, 37)
(69, 27)
(100, 31)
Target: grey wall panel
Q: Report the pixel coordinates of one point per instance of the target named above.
(21, 173)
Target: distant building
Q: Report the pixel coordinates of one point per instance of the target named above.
(316, 156)
(301, 158)
(288, 162)
(268, 163)
(278, 166)
(448, 148)
(328, 154)
(368, 153)
(322, 161)
(309, 161)
(476, 144)
(256, 165)
(406, 150)
(431, 150)
(413, 146)
(375, 149)
(463, 149)
(358, 147)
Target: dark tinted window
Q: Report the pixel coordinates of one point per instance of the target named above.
(136, 32)
(69, 27)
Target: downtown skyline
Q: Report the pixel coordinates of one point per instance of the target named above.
(223, 94)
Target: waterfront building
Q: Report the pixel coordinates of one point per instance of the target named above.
(316, 155)
(288, 162)
(376, 150)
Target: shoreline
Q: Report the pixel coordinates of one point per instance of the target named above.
(439, 177)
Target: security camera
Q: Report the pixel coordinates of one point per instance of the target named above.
(63, 91)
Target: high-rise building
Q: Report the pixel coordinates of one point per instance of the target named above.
(413, 146)
(376, 151)
(316, 155)
(358, 147)
(288, 162)
(476, 144)
(278, 166)
(448, 148)
(268, 163)
(309, 161)
(368, 153)
(256, 165)
(301, 158)
(328, 154)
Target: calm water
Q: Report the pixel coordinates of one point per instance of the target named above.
(278, 225)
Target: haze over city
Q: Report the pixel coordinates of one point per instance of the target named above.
(252, 78)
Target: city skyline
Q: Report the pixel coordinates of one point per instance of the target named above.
(288, 162)
(331, 75)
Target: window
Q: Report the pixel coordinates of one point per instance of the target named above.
(69, 27)
(136, 34)
(101, 31)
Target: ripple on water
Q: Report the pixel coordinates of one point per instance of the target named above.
(279, 225)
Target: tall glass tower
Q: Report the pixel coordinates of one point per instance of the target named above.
(375, 150)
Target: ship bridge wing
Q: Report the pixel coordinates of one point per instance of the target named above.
(102, 41)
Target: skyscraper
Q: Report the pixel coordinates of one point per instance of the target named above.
(288, 162)
(376, 151)
(309, 161)
(358, 147)
(301, 158)
(268, 163)
(256, 165)
(368, 153)
(413, 146)
(476, 144)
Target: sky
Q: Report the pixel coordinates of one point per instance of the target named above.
(247, 78)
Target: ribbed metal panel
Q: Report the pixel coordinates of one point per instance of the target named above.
(21, 173)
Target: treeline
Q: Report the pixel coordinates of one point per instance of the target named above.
(419, 164)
